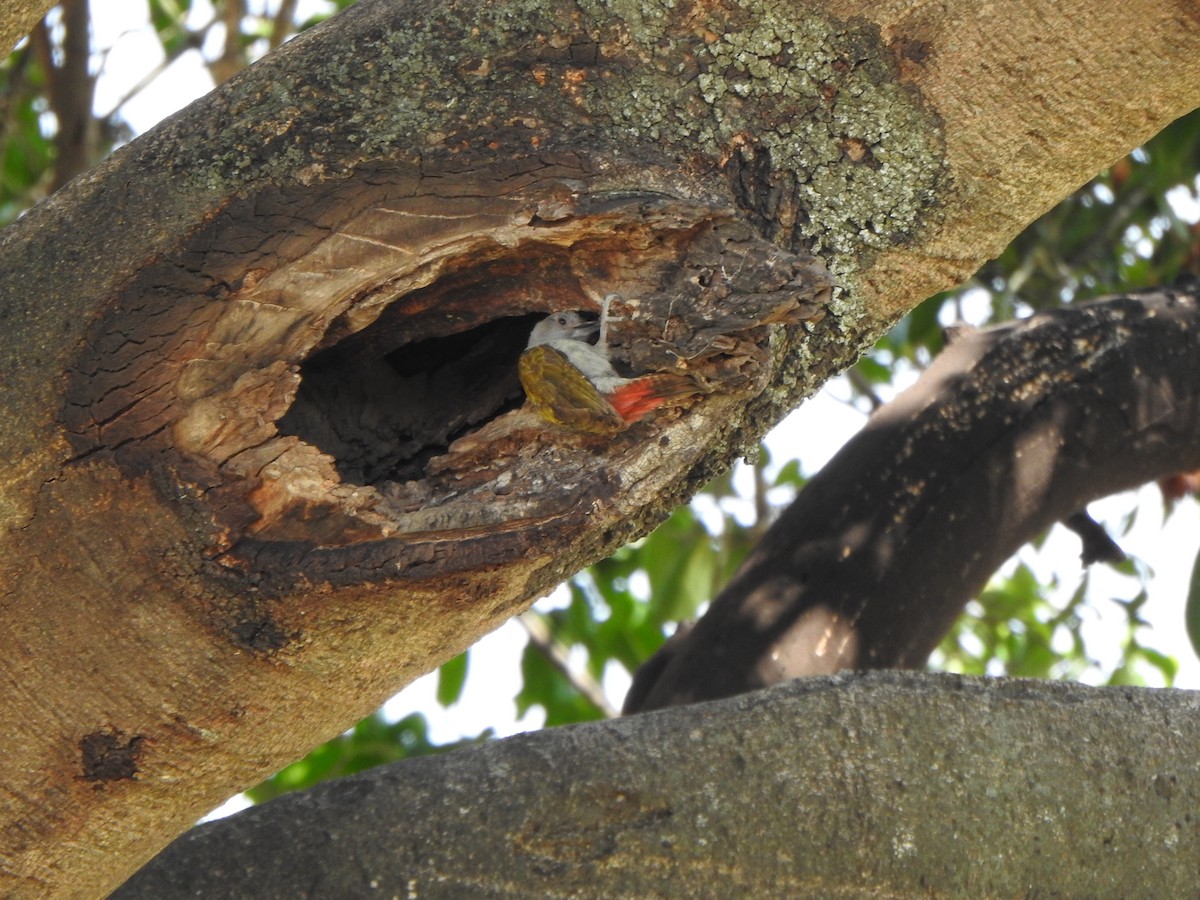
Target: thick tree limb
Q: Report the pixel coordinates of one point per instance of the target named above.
(883, 785)
(1011, 429)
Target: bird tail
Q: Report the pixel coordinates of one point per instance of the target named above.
(634, 400)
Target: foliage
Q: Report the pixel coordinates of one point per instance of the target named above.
(26, 149)
(1192, 611)
(372, 742)
(1119, 232)
(1015, 629)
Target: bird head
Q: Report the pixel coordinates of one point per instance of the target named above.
(569, 325)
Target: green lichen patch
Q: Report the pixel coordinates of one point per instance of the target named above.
(821, 97)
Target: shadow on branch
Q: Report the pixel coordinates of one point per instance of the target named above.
(1012, 429)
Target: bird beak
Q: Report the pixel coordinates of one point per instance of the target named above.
(585, 330)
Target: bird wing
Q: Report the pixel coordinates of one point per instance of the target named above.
(561, 394)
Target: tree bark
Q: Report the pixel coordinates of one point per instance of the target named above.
(263, 466)
(18, 18)
(1011, 429)
(888, 784)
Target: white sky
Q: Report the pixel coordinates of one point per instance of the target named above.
(817, 430)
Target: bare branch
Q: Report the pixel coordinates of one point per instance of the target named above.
(284, 23)
(232, 60)
(557, 655)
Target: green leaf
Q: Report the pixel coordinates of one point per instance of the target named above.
(790, 475)
(371, 742)
(544, 686)
(451, 678)
(874, 371)
(1191, 612)
(1167, 665)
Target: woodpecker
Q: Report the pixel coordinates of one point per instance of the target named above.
(572, 383)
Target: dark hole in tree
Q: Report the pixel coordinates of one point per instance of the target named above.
(382, 408)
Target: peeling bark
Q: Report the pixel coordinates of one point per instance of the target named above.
(372, 421)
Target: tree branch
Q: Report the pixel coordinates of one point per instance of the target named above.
(1098, 546)
(556, 655)
(71, 91)
(283, 24)
(18, 18)
(887, 784)
(1011, 429)
(311, 254)
(232, 59)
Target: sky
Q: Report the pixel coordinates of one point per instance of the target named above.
(130, 53)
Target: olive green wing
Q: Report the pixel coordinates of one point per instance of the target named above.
(561, 394)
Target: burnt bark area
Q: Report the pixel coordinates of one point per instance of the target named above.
(383, 413)
(1012, 428)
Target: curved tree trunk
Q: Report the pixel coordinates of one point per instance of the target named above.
(265, 460)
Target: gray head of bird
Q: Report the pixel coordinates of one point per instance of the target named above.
(569, 325)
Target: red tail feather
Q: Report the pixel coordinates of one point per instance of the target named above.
(632, 401)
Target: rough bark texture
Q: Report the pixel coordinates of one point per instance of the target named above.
(248, 494)
(884, 785)
(18, 18)
(1010, 430)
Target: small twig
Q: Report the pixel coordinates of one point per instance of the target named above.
(195, 40)
(1097, 545)
(762, 509)
(231, 60)
(283, 25)
(860, 383)
(604, 307)
(556, 655)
